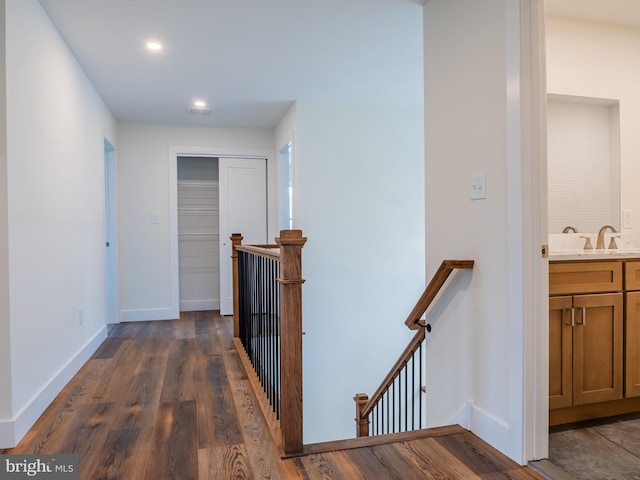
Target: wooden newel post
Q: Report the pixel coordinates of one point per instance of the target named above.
(291, 243)
(236, 240)
(362, 424)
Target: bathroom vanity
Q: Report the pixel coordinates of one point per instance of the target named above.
(594, 335)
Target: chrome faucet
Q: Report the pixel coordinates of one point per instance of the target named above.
(600, 241)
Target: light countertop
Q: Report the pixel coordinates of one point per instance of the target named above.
(619, 254)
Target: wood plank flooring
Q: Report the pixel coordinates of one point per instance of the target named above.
(171, 400)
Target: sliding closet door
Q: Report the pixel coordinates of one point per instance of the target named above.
(243, 209)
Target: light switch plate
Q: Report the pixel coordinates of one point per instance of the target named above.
(478, 186)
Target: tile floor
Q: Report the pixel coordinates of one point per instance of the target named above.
(606, 449)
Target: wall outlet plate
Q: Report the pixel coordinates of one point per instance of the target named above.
(626, 219)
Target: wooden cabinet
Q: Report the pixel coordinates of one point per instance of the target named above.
(585, 334)
(632, 345)
(632, 329)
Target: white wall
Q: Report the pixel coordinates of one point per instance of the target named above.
(5, 331)
(56, 125)
(360, 201)
(475, 366)
(146, 271)
(596, 60)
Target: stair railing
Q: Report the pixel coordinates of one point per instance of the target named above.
(397, 405)
(267, 313)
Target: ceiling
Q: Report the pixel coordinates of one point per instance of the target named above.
(251, 59)
(248, 59)
(616, 12)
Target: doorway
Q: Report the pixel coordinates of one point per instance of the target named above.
(198, 233)
(264, 157)
(111, 290)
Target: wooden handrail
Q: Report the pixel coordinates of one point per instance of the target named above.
(364, 404)
(408, 352)
(269, 251)
(432, 290)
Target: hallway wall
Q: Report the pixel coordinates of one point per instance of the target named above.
(143, 188)
(55, 126)
(359, 197)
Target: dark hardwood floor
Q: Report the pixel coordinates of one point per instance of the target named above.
(171, 400)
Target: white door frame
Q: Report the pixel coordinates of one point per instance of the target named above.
(529, 380)
(191, 151)
(111, 259)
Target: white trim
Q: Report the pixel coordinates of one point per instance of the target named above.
(490, 428)
(112, 255)
(537, 413)
(462, 417)
(149, 314)
(199, 305)
(190, 151)
(483, 424)
(535, 346)
(527, 212)
(7, 434)
(12, 430)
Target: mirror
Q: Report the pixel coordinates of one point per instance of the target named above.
(583, 163)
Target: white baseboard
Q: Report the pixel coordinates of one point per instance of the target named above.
(462, 417)
(149, 314)
(12, 430)
(489, 428)
(7, 433)
(199, 305)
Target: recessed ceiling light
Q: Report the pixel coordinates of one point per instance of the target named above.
(199, 103)
(155, 46)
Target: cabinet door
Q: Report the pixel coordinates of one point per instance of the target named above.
(597, 348)
(560, 355)
(632, 275)
(632, 345)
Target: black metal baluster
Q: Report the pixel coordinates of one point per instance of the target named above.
(413, 391)
(406, 398)
(259, 318)
(276, 276)
(272, 345)
(420, 392)
(393, 404)
(387, 395)
(267, 327)
(382, 414)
